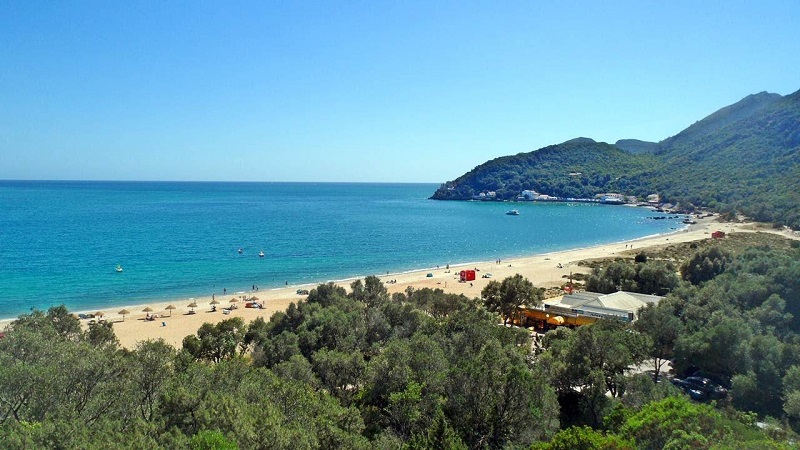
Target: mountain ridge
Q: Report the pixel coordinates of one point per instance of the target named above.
(721, 118)
(742, 158)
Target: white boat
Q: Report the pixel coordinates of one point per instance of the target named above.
(261, 254)
(119, 268)
(240, 251)
(512, 212)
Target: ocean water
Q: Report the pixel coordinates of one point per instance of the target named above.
(60, 242)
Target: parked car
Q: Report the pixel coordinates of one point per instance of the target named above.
(700, 388)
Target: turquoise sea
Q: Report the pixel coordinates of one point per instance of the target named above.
(60, 241)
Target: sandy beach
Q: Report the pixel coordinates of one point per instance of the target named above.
(544, 270)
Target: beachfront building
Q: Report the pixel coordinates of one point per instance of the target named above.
(612, 198)
(531, 196)
(581, 308)
(485, 196)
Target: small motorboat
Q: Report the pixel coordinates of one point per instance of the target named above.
(261, 254)
(119, 268)
(512, 212)
(240, 251)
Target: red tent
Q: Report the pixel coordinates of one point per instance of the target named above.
(467, 275)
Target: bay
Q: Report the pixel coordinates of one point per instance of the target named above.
(60, 241)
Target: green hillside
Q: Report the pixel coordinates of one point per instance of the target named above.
(728, 115)
(577, 168)
(750, 165)
(742, 158)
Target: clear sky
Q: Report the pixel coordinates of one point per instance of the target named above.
(410, 91)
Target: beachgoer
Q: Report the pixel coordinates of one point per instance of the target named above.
(224, 291)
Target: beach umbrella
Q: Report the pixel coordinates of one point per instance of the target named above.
(254, 299)
(234, 300)
(192, 305)
(214, 302)
(99, 314)
(170, 308)
(147, 309)
(122, 313)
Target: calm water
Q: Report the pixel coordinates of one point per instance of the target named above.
(61, 241)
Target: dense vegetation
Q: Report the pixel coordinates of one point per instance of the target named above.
(745, 158)
(425, 369)
(594, 168)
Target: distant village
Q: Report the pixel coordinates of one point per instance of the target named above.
(608, 198)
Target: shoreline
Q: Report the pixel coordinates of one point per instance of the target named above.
(158, 296)
(155, 300)
(544, 270)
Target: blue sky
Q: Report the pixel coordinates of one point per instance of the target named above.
(364, 91)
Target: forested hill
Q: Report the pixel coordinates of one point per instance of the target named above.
(750, 165)
(577, 168)
(728, 115)
(743, 158)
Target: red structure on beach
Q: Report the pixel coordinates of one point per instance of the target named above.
(718, 234)
(467, 275)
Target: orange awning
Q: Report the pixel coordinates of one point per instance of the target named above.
(556, 320)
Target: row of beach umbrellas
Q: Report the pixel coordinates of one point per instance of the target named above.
(148, 309)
